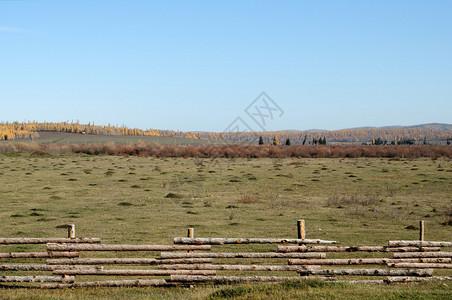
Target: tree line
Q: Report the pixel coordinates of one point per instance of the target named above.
(391, 136)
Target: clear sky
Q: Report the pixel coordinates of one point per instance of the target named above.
(197, 65)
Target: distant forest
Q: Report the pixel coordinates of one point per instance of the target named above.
(416, 135)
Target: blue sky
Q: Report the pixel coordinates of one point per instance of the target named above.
(196, 65)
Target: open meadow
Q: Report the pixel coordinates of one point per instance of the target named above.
(144, 200)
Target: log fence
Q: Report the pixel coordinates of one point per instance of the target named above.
(196, 260)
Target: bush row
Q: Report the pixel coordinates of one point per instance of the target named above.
(235, 150)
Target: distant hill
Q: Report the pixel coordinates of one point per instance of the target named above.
(432, 133)
(433, 126)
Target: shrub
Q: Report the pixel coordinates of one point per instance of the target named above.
(248, 199)
(448, 216)
(237, 151)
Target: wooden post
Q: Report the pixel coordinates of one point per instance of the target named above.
(71, 231)
(190, 234)
(301, 230)
(421, 230)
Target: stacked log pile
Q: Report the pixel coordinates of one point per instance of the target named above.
(36, 265)
(85, 262)
(407, 261)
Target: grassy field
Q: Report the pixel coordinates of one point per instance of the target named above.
(365, 201)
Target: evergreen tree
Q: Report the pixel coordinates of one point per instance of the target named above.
(288, 142)
(305, 137)
(261, 140)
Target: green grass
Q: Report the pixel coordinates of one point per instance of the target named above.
(150, 200)
(282, 291)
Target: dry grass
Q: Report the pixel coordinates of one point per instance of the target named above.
(248, 199)
(448, 216)
(110, 200)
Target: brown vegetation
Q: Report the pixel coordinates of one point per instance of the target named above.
(236, 151)
(248, 199)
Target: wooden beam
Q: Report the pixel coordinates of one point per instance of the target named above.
(303, 248)
(230, 279)
(368, 272)
(238, 267)
(37, 278)
(43, 267)
(365, 261)
(71, 231)
(423, 254)
(38, 254)
(106, 247)
(222, 241)
(134, 272)
(8, 241)
(241, 255)
(126, 261)
(421, 230)
(190, 234)
(109, 283)
(419, 244)
(301, 230)
(420, 265)
(341, 261)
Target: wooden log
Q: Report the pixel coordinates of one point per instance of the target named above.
(423, 260)
(401, 279)
(38, 254)
(368, 272)
(71, 231)
(8, 241)
(190, 234)
(107, 247)
(353, 249)
(421, 230)
(376, 281)
(238, 267)
(109, 283)
(342, 261)
(420, 265)
(163, 261)
(301, 230)
(222, 241)
(365, 261)
(126, 261)
(43, 267)
(241, 255)
(133, 272)
(419, 244)
(37, 278)
(423, 254)
(230, 279)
